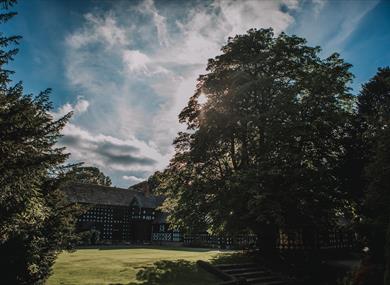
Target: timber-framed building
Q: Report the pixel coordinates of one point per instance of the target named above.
(121, 215)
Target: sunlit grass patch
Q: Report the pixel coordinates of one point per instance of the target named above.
(157, 265)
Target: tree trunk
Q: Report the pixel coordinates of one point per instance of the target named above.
(267, 240)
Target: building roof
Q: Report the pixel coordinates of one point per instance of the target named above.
(142, 187)
(111, 196)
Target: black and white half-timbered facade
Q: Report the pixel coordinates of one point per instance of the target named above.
(121, 215)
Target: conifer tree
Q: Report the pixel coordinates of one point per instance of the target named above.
(374, 129)
(36, 222)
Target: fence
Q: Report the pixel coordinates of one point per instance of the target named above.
(310, 239)
(168, 236)
(223, 242)
(288, 239)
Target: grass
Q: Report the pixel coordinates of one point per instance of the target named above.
(148, 266)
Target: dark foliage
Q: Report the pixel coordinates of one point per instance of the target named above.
(374, 133)
(36, 222)
(88, 175)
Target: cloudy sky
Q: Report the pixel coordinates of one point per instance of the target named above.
(127, 68)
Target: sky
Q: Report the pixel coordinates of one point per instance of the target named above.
(127, 68)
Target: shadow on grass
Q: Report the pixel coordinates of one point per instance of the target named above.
(178, 272)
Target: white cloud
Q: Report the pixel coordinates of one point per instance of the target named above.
(134, 60)
(148, 7)
(104, 29)
(106, 64)
(330, 24)
(111, 153)
(243, 15)
(137, 67)
(80, 107)
(132, 178)
(347, 25)
(318, 5)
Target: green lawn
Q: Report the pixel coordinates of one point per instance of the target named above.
(157, 265)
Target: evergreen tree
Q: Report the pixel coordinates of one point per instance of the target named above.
(374, 104)
(36, 222)
(374, 134)
(377, 202)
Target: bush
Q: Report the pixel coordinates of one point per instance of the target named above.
(91, 237)
(366, 274)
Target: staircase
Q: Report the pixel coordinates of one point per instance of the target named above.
(249, 273)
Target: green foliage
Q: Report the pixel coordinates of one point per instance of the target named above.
(36, 222)
(374, 103)
(265, 140)
(91, 237)
(155, 180)
(366, 274)
(373, 138)
(374, 116)
(88, 175)
(377, 200)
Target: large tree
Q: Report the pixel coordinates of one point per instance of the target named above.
(266, 128)
(36, 222)
(374, 138)
(374, 118)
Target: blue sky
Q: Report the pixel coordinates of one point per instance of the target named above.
(127, 68)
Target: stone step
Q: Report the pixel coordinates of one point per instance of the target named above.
(252, 273)
(241, 270)
(235, 266)
(279, 282)
(259, 273)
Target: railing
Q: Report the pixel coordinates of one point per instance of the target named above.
(224, 242)
(167, 236)
(288, 239)
(293, 239)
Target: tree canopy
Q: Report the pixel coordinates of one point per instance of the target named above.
(88, 175)
(266, 127)
(374, 132)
